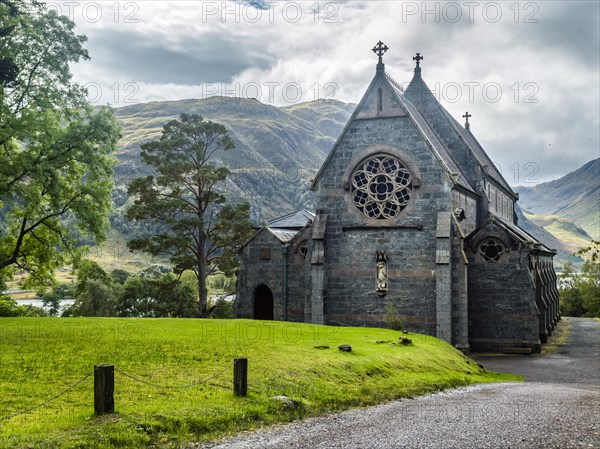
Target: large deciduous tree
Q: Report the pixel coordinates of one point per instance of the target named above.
(55, 149)
(201, 232)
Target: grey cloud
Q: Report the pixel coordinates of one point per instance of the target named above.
(575, 140)
(211, 57)
(571, 28)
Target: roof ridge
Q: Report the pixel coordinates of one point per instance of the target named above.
(436, 143)
(465, 135)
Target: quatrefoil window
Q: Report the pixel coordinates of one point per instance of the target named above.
(381, 187)
(491, 250)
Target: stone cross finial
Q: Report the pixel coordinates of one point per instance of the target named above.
(379, 49)
(418, 58)
(466, 117)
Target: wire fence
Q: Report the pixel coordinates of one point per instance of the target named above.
(47, 401)
(124, 374)
(195, 384)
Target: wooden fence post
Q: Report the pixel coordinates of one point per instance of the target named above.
(240, 376)
(104, 389)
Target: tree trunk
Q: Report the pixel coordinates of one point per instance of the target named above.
(202, 293)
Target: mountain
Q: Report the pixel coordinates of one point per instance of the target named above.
(565, 247)
(277, 150)
(569, 234)
(575, 198)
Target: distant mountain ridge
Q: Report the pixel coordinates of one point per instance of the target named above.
(278, 150)
(575, 197)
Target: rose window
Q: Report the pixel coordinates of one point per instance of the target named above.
(491, 250)
(381, 187)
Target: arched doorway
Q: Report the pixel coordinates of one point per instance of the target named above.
(263, 303)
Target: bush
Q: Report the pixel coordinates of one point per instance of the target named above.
(580, 292)
(222, 309)
(53, 298)
(10, 308)
(392, 318)
(163, 296)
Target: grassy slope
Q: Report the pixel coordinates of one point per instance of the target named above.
(114, 254)
(570, 234)
(42, 357)
(574, 197)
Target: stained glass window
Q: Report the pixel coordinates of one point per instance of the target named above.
(381, 187)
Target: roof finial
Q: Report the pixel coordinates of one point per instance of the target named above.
(418, 58)
(379, 49)
(466, 117)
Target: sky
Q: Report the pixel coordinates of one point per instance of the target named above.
(528, 72)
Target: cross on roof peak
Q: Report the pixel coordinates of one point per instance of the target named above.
(379, 49)
(418, 58)
(466, 117)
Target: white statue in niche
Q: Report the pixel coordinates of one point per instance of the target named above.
(381, 280)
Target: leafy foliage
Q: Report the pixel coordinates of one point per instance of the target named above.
(222, 309)
(164, 296)
(52, 299)
(55, 149)
(94, 291)
(392, 318)
(580, 292)
(149, 294)
(200, 233)
(10, 308)
(219, 283)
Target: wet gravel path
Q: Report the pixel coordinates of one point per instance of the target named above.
(557, 407)
(577, 361)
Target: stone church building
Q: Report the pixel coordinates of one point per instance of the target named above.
(410, 210)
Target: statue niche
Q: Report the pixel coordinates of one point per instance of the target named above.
(381, 278)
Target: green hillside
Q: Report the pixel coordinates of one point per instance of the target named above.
(572, 236)
(575, 197)
(277, 150)
(535, 225)
(41, 358)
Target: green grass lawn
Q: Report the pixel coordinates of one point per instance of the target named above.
(41, 357)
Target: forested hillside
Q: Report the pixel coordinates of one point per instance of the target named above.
(277, 150)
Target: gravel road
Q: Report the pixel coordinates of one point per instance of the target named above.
(557, 407)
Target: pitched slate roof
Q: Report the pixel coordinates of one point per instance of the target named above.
(418, 92)
(286, 227)
(283, 235)
(296, 220)
(518, 233)
(477, 150)
(436, 145)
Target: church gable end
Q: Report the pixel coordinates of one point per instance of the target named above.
(383, 189)
(411, 215)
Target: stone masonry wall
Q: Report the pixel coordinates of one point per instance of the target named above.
(502, 307)
(352, 239)
(299, 277)
(255, 271)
